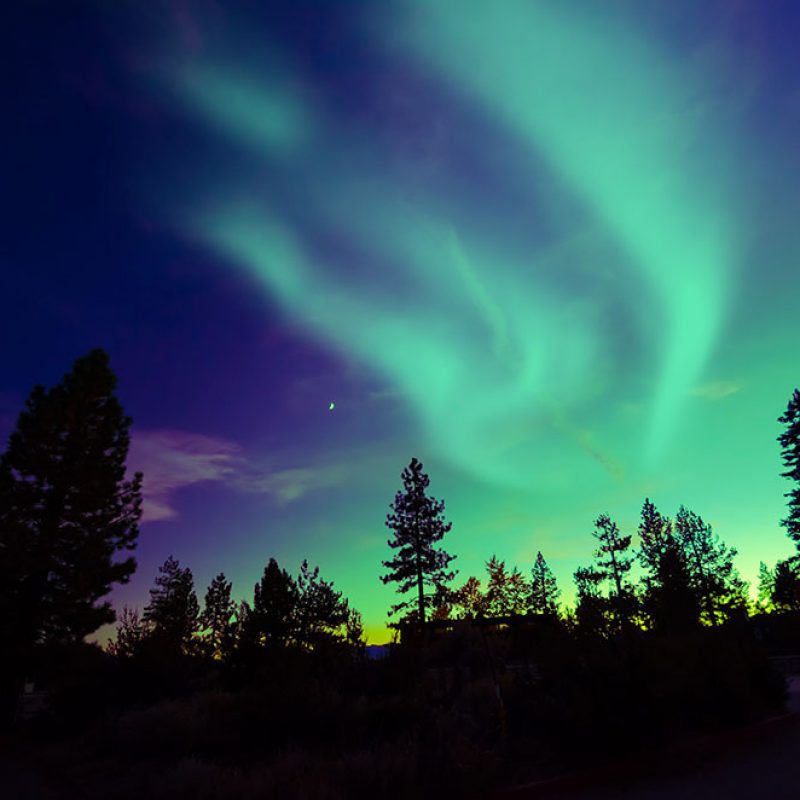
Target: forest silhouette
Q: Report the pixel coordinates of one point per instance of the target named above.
(490, 680)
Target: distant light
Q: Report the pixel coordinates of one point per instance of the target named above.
(331, 406)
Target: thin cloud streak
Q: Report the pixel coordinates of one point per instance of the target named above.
(717, 390)
(173, 460)
(290, 484)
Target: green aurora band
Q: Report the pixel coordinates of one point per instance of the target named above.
(486, 347)
(626, 130)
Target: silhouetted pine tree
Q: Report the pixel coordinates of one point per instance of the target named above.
(670, 602)
(354, 631)
(418, 524)
(613, 559)
(272, 620)
(217, 617)
(786, 586)
(441, 610)
(66, 509)
(518, 592)
(173, 610)
(790, 452)
(655, 537)
(131, 632)
(470, 600)
(591, 608)
(236, 639)
(676, 606)
(544, 594)
(321, 612)
(720, 591)
(499, 602)
(766, 588)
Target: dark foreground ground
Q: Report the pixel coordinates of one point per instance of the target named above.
(19, 781)
(769, 768)
(761, 761)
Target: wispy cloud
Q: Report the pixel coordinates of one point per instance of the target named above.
(385, 394)
(585, 440)
(289, 484)
(717, 390)
(173, 460)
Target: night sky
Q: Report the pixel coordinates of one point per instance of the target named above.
(550, 249)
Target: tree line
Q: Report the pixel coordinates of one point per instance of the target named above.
(687, 575)
(303, 611)
(69, 521)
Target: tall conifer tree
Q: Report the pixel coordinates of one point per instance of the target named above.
(322, 612)
(655, 538)
(613, 559)
(273, 618)
(670, 601)
(499, 601)
(173, 610)
(67, 509)
(418, 523)
(470, 600)
(518, 591)
(720, 591)
(544, 592)
(217, 616)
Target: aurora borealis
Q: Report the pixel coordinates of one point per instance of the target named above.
(549, 249)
